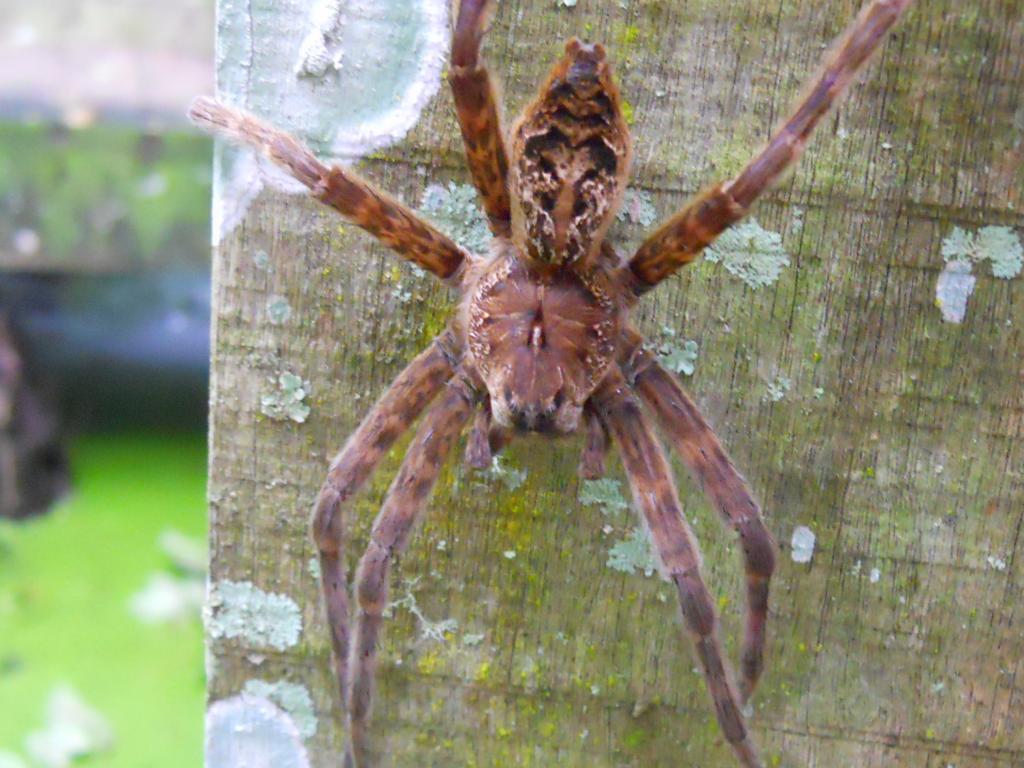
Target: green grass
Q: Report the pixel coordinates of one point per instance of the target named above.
(65, 581)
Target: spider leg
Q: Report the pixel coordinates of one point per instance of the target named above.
(405, 500)
(478, 447)
(476, 106)
(486, 439)
(397, 408)
(696, 444)
(379, 214)
(681, 239)
(595, 447)
(654, 493)
(498, 438)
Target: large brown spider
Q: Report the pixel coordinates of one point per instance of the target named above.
(542, 338)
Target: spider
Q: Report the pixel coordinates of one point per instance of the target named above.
(542, 341)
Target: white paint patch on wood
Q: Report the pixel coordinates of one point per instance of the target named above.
(293, 698)
(954, 286)
(238, 178)
(347, 77)
(802, 544)
(250, 731)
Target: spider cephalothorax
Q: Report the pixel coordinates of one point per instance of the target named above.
(542, 338)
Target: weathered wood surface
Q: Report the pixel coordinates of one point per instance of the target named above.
(898, 440)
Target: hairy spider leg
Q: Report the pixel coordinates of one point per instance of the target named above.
(406, 498)
(394, 412)
(478, 446)
(486, 439)
(655, 495)
(357, 200)
(681, 239)
(595, 446)
(714, 472)
(476, 106)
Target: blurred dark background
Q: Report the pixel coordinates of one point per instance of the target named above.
(104, 346)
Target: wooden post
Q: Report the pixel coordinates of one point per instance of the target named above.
(855, 406)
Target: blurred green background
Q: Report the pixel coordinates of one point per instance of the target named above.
(104, 292)
(67, 581)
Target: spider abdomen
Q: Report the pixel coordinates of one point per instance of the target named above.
(539, 341)
(570, 160)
